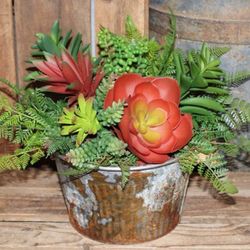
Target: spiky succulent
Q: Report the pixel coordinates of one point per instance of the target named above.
(64, 65)
(68, 76)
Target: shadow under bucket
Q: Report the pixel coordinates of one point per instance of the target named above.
(147, 208)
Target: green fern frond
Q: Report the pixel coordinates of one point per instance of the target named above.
(244, 143)
(125, 174)
(58, 144)
(131, 30)
(204, 145)
(168, 46)
(229, 149)
(213, 168)
(5, 103)
(38, 155)
(237, 113)
(7, 132)
(77, 173)
(219, 51)
(10, 162)
(188, 161)
(15, 90)
(22, 135)
(24, 160)
(237, 78)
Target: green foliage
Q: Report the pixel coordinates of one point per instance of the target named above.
(209, 164)
(112, 115)
(237, 78)
(166, 58)
(137, 54)
(14, 90)
(132, 33)
(205, 152)
(54, 43)
(31, 123)
(237, 112)
(219, 51)
(124, 53)
(199, 71)
(101, 92)
(80, 119)
(103, 150)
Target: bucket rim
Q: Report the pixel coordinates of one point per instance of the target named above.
(132, 168)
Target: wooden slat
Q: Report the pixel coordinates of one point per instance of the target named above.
(31, 17)
(32, 213)
(75, 16)
(7, 56)
(112, 14)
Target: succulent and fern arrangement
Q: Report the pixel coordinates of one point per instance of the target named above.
(139, 102)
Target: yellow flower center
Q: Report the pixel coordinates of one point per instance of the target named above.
(144, 120)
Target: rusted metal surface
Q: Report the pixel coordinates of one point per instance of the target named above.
(148, 208)
(217, 22)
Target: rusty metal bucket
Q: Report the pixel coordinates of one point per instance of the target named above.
(148, 208)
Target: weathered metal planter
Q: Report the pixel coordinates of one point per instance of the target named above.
(148, 208)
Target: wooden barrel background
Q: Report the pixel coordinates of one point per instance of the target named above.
(217, 22)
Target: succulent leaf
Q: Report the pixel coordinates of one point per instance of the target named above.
(80, 119)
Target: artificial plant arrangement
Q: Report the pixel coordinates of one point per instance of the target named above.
(139, 102)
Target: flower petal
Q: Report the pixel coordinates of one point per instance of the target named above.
(109, 98)
(125, 85)
(153, 157)
(167, 147)
(136, 146)
(151, 136)
(148, 90)
(169, 89)
(137, 105)
(183, 133)
(174, 115)
(156, 117)
(124, 125)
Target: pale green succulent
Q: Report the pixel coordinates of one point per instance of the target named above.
(80, 119)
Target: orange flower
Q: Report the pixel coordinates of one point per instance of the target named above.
(152, 124)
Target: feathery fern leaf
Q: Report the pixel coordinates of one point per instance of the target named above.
(219, 51)
(131, 31)
(237, 78)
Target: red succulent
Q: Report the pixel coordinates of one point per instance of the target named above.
(152, 124)
(69, 76)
